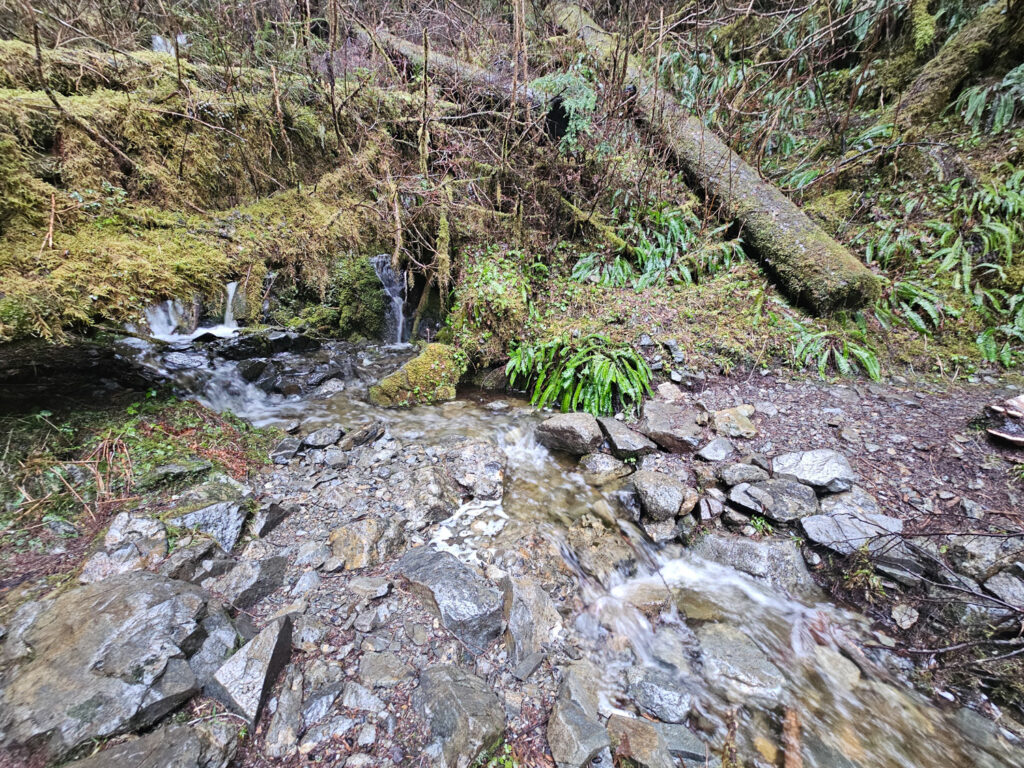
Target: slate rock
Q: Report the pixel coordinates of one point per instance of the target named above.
(219, 644)
(217, 508)
(734, 474)
(575, 738)
(132, 543)
(639, 741)
(269, 516)
(383, 670)
(248, 581)
(735, 422)
(735, 666)
(601, 469)
(601, 551)
(981, 557)
(575, 433)
(533, 619)
(355, 696)
(207, 744)
(470, 607)
(822, 469)
(367, 433)
(688, 746)
(98, 660)
(625, 442)
(775, 561)
(282, 739)
(367, 542)
(856, 502)
(674, 427)
(660, 693)
(244, 680)
(320, 702)
(663, 497)
(846, 532)
(324, 437)
(464, 715)
(1008, 587)
(285, 450)
(784, 500)
(434, 497)
(719, 449)
(476, 466)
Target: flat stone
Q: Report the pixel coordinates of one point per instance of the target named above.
(575, 433)
(464, 715)
(367, 433)
(323, 437)
(719, 449)
(383, 670)
(245, 679)
(639, 741)
(687, 745)
(315, 737)
(735, 422)
(307, 582)
(734, 665)
(846, 533)
(625, 442)
(528, 666)
(207, 744)
(734, 474)
(469, 606)
(367, 542)
(355, 696)
(784, 500)
(1007, 587)
(660, 693)
(575, 738)
(822, 469)
(773, 560)
(661, 496)
(600, 469)
(98, 660)
(675, 428)
(369, 587)
(533, 619)
(981, 557)
(249, 581)
(856, 502)
(282, 739)
(320, 702)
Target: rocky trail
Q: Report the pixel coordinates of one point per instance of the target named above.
(436, 585)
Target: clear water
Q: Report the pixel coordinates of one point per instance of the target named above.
(394, 288)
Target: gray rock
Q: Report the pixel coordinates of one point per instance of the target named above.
(533, 619)
(661, 496)
(686, 745)
(367, 542)
(132, 543)
(335, 728)
(435, 496)
(575, 738)
(856, 502)
(575, 433)
(528, 666)
(601, 551)
(383, 670)
(600, 469)
(626, 443)
(98, 660)
(249, 581)
(285, 451)
(734, 474)
(639, 741)
(468, 605)
(367, 433)
(323, 437)
(581, 684)
(750, 498)
(464, 715)
(282, 739)
(666, 530)
(244, 680)
(775, 561)
(476, 466)
(217, 508)
(783, 500)
(736, 667)
(312, 553)
(355, 696)
(735, 422)
(981, 557)
(269, 516)
(307, 582)
(719, 449)
(320, 701)
(208, 744)
(823, 469)
(1007, 587)
(219, 644)
(369, 587)
(660, 693)
(846, 533)
(673, 427)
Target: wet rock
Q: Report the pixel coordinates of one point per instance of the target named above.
(533, 619)
(719, 449)
(324, 437)
(207, 744)
(219, 644)
(383, 670)
(734, 474)
(244, 680)
(575, 433)
(846, 532)
(601, 551)
(285, 450)
(663, 497)
(581, 682)
(269, 516)
(686, 745)
(434, 497)
(735, 422)
(367, 433)
(660, 693)
(666, 530)
(639, 741)
(464, 715)
(132, 543)
(430, 377)
(601, 469)
(282, 739)
(468, 605)
(367, 542)
(822, 469)
(734, 665)
(217, 508)
(98, 660)
(780, 500)
(477, 467)
(775, 561)
(626, 443)
(575, 739)
(981, 557)
(249, 581)
(673, 427)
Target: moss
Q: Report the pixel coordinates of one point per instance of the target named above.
(359, 297)
(833, 210)
(430, 377)
(923, 24)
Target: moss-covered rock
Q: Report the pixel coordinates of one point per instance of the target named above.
(430, 377)
(359, 297)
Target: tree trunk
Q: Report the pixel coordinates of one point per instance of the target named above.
(810, 267)
(962, 55)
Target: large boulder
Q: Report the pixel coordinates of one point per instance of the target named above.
(247, 582)
(464, 715)
(430, 377)
(99, 660)
(848, 529)
(822, 469)
(673, 427)
(207, 744)
(469, 605)
(575, 433)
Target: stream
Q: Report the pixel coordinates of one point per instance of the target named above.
(781, 658)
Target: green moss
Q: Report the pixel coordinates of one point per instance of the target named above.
(834, 209)
(430, 377)
(923, 26)
(359, 298)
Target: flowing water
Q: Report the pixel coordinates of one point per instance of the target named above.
(394, 289)
(853, 710)
(169, 321)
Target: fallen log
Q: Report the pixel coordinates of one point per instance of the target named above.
(810, 267)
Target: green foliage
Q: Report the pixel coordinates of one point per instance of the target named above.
(992, 108)
(921, 308)
(501, 756)
(590, 373)
(827, 350)
(358, 297)
(761, 525)
(576, 93)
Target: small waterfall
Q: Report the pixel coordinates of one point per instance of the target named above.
(394, 287)
(229, 305)
(167, 320)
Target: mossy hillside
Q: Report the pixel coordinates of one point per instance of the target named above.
(430, 377)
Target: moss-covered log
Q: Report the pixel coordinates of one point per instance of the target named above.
(810, 267)
(963, 55)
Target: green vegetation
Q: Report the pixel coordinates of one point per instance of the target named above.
(588, 373)
(430, 377)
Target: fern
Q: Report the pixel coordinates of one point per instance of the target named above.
(826, 351)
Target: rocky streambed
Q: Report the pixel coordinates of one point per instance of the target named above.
(446, 584)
